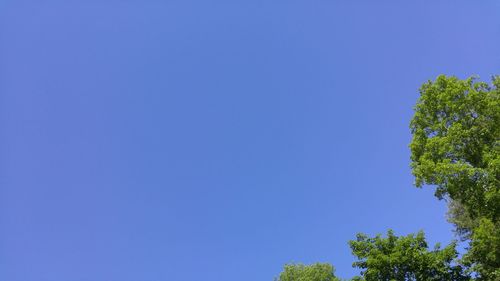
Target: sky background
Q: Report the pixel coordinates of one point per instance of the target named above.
(217, 140)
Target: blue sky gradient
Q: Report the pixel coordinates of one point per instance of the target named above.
(217, 140)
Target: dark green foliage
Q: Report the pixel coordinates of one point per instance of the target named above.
(405, 258)
(314, 272)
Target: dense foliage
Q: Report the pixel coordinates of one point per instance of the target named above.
(314, 272)
(455, 144)
(405, 258)
(456, 148)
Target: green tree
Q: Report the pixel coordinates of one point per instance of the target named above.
(405, 258)
(484, 252)
(456, 147)
(456, 142)
(313, 272)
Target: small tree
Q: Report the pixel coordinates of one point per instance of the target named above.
(313, 272)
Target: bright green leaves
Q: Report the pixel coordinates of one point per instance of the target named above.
(484, 254)
(314, 272)
(456, 142)
(456, 147)
(404, 258)
(390, 258)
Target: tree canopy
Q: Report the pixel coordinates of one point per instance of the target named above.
(456, 142)
(456, 148)
(405, 258)
(314, 272)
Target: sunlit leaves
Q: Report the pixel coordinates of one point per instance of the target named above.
(405, 258)
(314, 272)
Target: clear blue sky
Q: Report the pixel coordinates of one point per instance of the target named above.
(217, 140)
